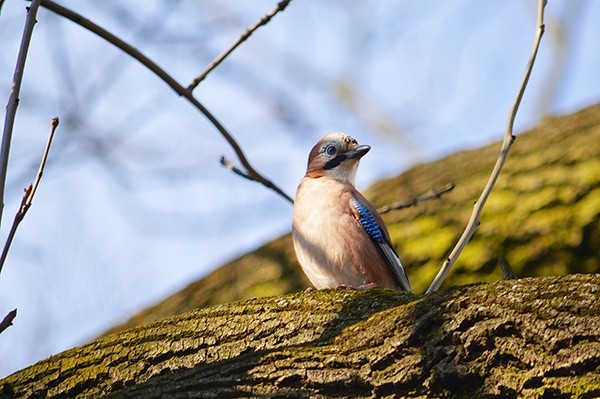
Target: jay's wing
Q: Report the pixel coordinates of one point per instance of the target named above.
(373, 225)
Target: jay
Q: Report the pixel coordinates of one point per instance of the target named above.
(339, 238)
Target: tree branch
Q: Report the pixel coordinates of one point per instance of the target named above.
(506, 144)
(226, 163)
(252, 173)
(8, 319)
(534, 337)
(507, 272)
(28, 196)
(243, 37)
(13, 99)
(433, 194)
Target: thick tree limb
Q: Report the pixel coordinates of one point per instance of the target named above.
(522, 338)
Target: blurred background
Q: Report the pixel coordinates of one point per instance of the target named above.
(134, 204)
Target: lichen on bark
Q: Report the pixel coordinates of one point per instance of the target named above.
(543, 217)
(534, 338)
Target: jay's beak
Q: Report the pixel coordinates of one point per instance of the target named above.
(358, 152)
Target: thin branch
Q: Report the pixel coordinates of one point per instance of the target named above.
(168, 79)
(243, 37)
(229, 165)
(226, 163)
(8, 319)
(506, 144)
(507, 272)
(28, 194)
(13, 99)
(433, 194)
(53, 125)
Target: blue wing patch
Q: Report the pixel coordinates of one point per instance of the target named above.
(368, 222)
(370, 225)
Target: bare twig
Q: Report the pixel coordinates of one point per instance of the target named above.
(226, 163)
(243, 37)
(28, 194)
(252, 173)
(13, 99)
(433, 194)
(508, 140)
(8, 319)
(229, 165)
(507, 272)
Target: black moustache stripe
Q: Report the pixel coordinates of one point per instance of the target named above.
(332, 163)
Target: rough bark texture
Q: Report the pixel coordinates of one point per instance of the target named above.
(543, 216)
(533, 338)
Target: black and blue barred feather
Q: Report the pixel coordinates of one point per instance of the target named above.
(373, 229)
(368, 222)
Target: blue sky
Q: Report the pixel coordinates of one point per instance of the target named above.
(134, 204)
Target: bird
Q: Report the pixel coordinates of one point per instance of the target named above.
(339, 238)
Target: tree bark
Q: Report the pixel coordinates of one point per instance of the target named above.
(534, 338)
(543, 217)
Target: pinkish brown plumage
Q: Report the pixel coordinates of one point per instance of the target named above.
(339, 238)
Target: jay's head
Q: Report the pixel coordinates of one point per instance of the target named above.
(336, 155)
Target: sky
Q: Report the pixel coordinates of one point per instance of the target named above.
(134, 205)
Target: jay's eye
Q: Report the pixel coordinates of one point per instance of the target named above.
(330, 150)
